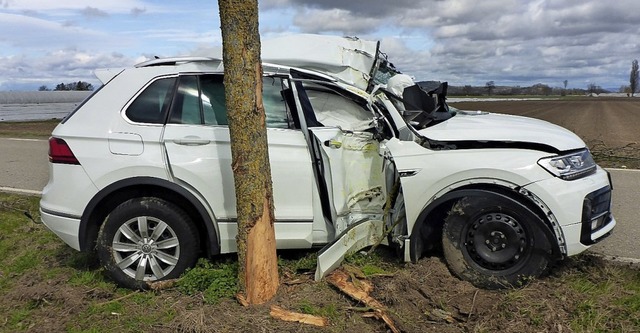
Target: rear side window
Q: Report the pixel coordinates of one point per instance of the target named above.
(152, 104)
(201, 100)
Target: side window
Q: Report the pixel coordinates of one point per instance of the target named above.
(151, 105)
(275, 107)
(215, 111)
(201, 100)
(186, 103)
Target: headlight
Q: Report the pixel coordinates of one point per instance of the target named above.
(570, 166)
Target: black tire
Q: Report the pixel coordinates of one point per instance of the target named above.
(495, 242)
(128, 242)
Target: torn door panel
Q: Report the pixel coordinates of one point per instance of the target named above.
(358, 236)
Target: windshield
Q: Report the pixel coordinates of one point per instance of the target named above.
(384, 71)
(381, 71)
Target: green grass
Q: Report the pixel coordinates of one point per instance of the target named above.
(214, 281)
(375, 263)
(19, 251)
(28, 129)
(608, 299)
(329, 311)
(293, 262)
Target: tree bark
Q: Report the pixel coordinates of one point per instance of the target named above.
(258, 269)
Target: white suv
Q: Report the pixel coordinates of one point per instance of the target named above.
(141, 171)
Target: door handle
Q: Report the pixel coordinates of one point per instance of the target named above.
(333, 144)
(191, 141)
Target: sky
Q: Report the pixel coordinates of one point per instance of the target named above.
(510, 42)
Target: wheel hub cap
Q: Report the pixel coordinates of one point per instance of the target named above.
(146, 248)
(496, 241)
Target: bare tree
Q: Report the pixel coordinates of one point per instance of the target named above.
(258, 265)
(490, 86)
(633, 77)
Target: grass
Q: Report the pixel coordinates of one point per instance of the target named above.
(214, 281)
(378, 262)
(28, 129)
(329, 311)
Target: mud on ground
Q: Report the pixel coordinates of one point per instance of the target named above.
(420, 297)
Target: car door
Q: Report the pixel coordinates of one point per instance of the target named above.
(347, 160)
(197, 143)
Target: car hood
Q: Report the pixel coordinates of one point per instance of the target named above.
(491, 127)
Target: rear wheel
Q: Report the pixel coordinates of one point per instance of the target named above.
(145, 240)
(494, 242)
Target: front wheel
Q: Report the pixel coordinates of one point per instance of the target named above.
(494, 242)
(145, 240)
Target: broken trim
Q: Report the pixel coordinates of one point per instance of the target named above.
(356, 237)
(470, 144)
(559, 236)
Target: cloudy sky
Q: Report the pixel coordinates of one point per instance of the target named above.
(510, 42)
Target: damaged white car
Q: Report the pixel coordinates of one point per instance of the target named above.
(141, 170)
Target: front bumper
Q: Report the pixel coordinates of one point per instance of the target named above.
(582, 209)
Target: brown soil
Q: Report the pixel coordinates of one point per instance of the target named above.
(609, 126)
(421, 297)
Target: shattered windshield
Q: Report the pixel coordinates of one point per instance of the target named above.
(384, 71)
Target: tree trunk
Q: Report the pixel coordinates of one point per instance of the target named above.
(258, 265)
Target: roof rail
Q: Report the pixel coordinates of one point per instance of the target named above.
(174, 61)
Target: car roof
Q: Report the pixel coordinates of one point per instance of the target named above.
(176, 65)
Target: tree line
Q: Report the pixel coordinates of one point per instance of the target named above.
(490, 88)
(73, 86)
(539, 89)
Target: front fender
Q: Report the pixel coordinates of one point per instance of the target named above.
(423, 228)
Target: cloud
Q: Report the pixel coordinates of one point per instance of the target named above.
(472, 41)
(36, 33)
(336, 20)
(138, 11)
(66, 6)
(68, 65)
(461, 41)
(93, 12)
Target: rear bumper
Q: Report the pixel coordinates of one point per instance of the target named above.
(66, 227)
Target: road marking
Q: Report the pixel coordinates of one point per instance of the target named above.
(31, 140)
(619, 260)
(617, 169)
(20, 191)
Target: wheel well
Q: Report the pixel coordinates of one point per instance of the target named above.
(101, 208)
(430, 221)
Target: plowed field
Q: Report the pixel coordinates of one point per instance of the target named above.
(609, 126)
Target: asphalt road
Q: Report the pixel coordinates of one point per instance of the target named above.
(24, 169)
(23, 164)
(625, 240)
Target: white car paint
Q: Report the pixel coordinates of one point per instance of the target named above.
(506, 128)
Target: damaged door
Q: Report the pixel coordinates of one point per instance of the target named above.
(353, 171)
(349, 166)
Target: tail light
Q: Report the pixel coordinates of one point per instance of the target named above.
(59, 152)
